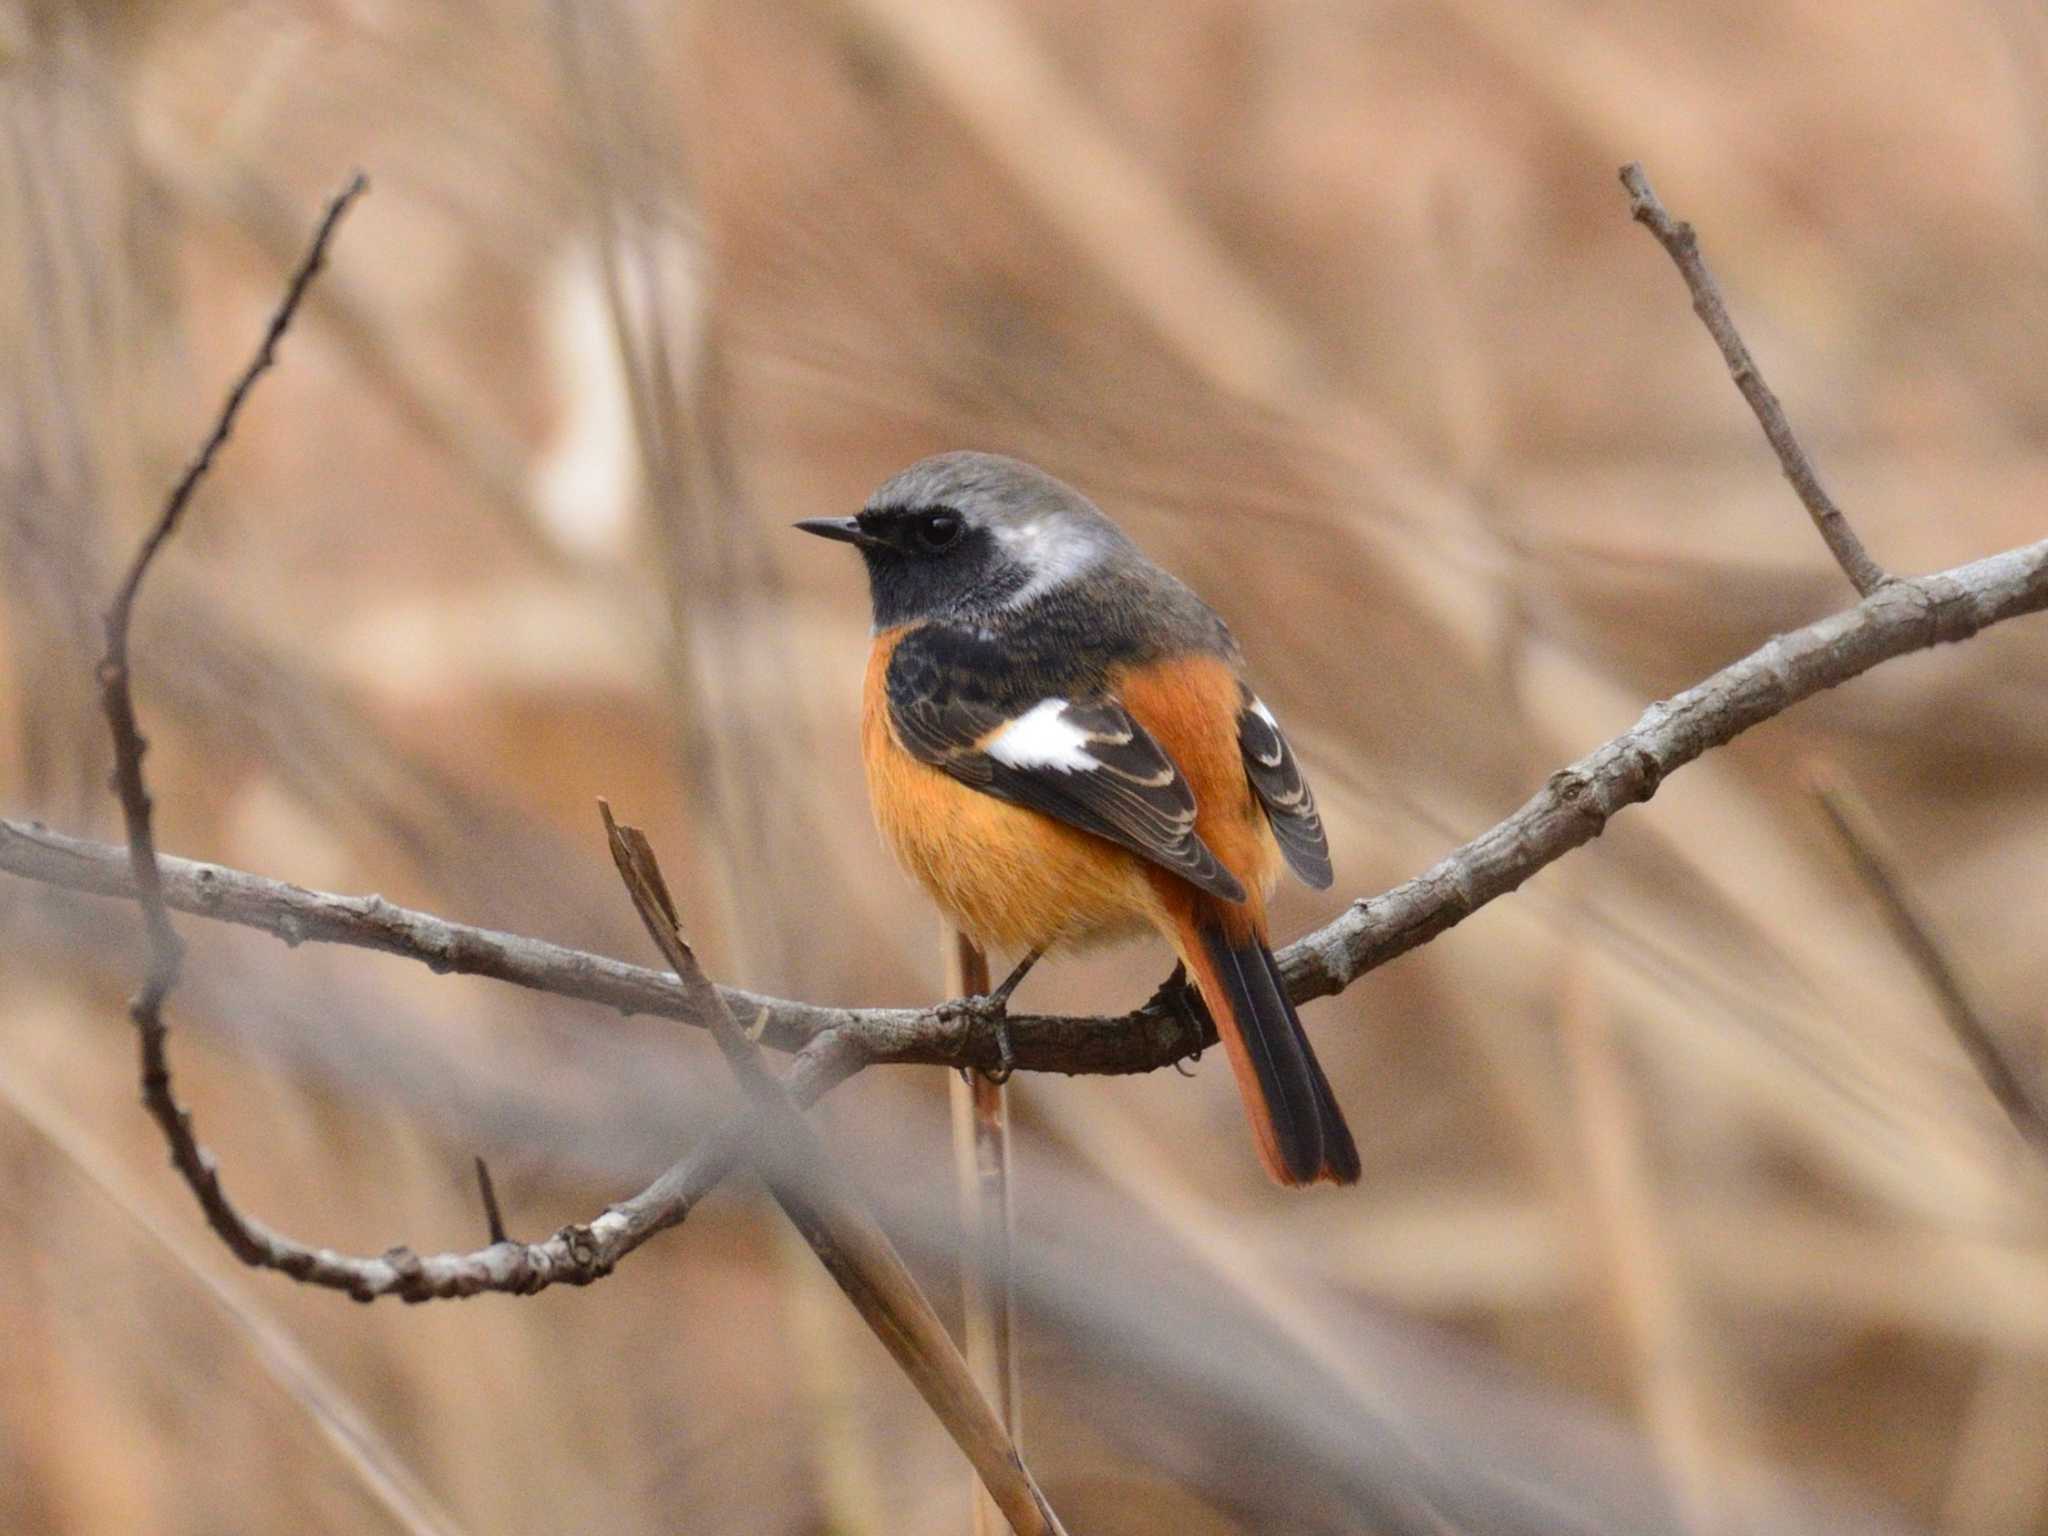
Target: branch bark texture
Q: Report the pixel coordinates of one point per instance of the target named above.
(1572, 807)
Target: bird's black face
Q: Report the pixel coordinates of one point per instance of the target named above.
(925, 562)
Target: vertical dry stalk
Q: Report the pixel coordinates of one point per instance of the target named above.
(661, 294)
(981, 1151)
(829, 1393)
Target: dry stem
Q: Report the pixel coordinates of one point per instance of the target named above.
(1683, 246)
(1857, 826)
(823, 1205)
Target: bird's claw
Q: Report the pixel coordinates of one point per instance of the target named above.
(1177, 1000)
(991, 1013)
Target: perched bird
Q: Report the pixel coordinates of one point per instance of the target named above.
(1062, 749)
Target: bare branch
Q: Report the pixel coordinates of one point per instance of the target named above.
(1856, 824)
(192, 1160)
(1895, 617)
(1909, 614)
(1683, 246)
(231, 409)
(834, 1220)
(297, 916)
(576, 1254)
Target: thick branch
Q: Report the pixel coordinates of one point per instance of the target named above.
(1683, 246)
(1906, 615)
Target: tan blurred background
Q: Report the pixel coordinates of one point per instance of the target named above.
(1681, 1209)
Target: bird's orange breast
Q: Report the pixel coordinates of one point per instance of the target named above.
(1017, 879)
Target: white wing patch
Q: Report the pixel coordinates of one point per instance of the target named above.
(1042, 737)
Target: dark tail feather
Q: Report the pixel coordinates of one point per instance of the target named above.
(1300, 1131)
(1340, 1152)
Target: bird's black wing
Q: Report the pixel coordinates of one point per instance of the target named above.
(1290, 808)
(957, 703)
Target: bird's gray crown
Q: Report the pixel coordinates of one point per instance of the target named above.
(992, 491)
(1026, 534)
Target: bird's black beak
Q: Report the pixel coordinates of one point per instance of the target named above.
(845, 529)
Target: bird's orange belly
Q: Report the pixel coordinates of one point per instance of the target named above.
(1010, 878)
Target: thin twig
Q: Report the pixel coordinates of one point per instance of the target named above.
(1857, 826)
(494, 1219)
(835, 1221)
(192, 1160)
(1683, 247)
(231, 409)
(576, 1254)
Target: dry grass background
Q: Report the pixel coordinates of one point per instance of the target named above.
(1681, 1210)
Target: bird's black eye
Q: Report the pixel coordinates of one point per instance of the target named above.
(934, 531)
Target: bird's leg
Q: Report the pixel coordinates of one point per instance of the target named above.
(999, 999)
(993, 1011)
(996, 1010)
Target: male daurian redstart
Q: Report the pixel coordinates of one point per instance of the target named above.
(1061, 748)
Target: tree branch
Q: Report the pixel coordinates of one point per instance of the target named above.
(576, 1254)
(1683, 246)
(166, 954)
(1895, 617)
(823, 1205)
(1908, 614)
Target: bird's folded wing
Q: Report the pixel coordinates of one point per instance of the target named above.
(1083, 761)
(1277, 780)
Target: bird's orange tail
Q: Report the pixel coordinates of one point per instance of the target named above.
(1301, 1134)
